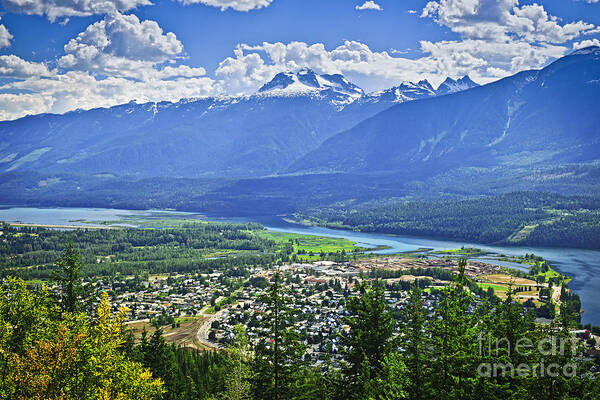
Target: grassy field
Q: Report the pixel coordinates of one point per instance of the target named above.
(466, 252)
(310, 248)
(501, 283)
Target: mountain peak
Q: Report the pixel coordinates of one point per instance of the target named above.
(306, 80)
(455, 85)
(406, 91)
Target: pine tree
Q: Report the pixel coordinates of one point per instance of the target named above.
(68, 278)
(237, 381)
(415, 344)
(369, 339)
(454, 341)
(278, 355)
(158, 356)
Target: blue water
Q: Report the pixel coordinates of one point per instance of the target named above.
(582, 265)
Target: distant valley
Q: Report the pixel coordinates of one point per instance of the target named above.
(308, 141)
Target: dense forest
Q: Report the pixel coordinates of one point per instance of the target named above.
(517, 218)
(456, 347)
(30, 252)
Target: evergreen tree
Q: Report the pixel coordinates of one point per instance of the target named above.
(415, 344)
(68, 278)
(369, 339)
(278, 355)
(237, 381)
(158, 356)
(454, 341)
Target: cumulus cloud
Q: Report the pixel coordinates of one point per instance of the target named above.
(502, 20)
(369, 5)
(72, 90)
(12, 66)
(18, 105)
(238, 5)
(5, 37)
(113, 61)
(254, 65)
(54, 9)
(586, 43)
(121, 45)
(499, 37)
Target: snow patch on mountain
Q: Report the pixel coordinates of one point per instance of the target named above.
(307, 81)
(455, 85)
(406, 91)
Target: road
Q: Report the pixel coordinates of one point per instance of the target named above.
(204, 329)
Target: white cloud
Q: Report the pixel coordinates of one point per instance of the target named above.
(252, 66)
(499, 37)
(114, 61)
(369, 5)
(412, 11)
(54, 9)
(586, 43)
(5, 37)
(79, 90)
(12, 66)
(18, 105)
(121, 45)
(238, 5)
(500, 20)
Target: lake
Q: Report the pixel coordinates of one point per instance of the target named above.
(582, 265)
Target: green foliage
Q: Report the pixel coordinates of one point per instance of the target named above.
(68, 278)
(30, 253)
(46, 357)
(540, 219)
(369, 339)
(278, 355)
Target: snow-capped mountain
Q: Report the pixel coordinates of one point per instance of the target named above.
(307, 81)
(518, 122)
(406, 91)
(247, 135)
(452, 86)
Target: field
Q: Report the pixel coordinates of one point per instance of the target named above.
(500, 283)
(310, 247)
(465, 252)
(183, 335)
(506, 279)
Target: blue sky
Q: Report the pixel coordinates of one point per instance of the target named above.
(59, 55)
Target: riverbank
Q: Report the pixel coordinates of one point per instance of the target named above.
(583, 266)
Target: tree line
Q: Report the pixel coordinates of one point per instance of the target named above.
(558, 220)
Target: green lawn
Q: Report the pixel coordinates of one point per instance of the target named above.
(316, 244)
(467, 252)
(497, 288)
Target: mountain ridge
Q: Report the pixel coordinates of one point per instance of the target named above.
(249, 135)
(495, 119)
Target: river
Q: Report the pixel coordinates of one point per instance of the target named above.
(582, 265)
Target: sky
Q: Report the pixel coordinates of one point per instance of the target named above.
(61, 55)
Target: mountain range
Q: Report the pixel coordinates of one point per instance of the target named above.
(306, 139)
(252, 135)
(534, 118)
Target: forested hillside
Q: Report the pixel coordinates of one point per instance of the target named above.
(514, 218)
